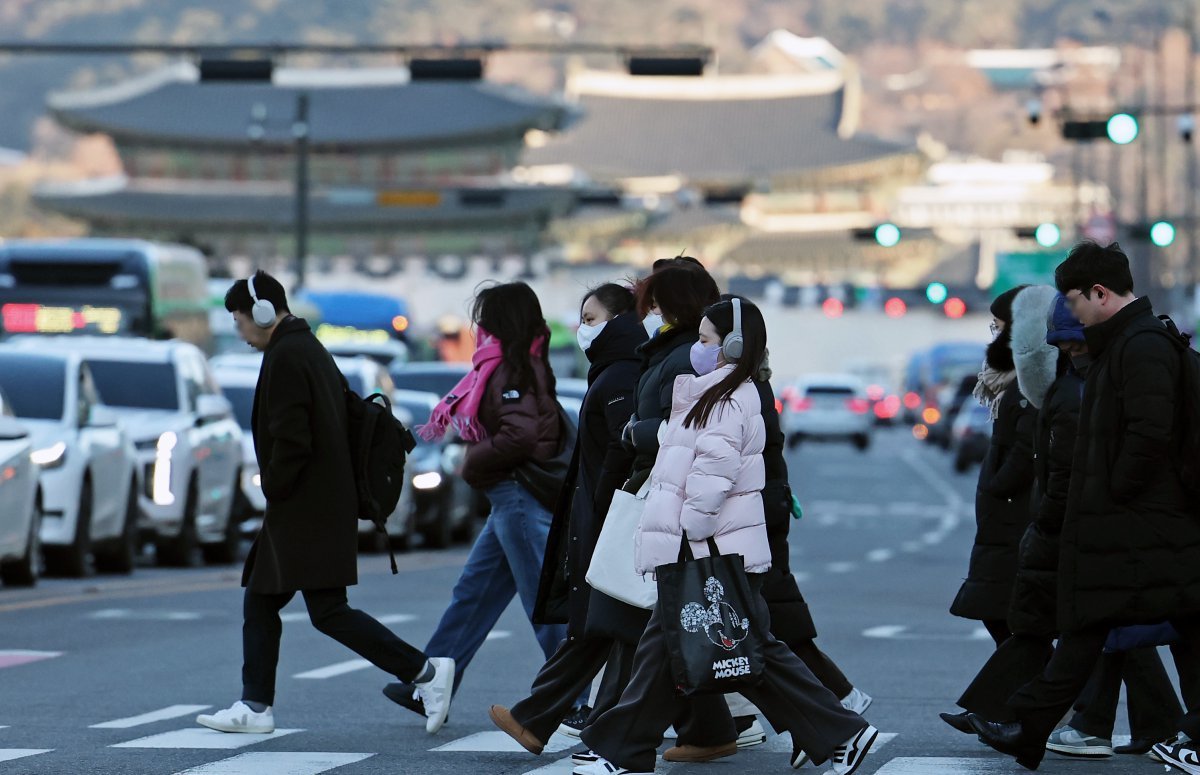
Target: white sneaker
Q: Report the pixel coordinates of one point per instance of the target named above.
(585, 757)
(436, 693)
(603, 766)
(754, 735)
(858, 701)
(849, 756)
(670, 734)
(239, 718)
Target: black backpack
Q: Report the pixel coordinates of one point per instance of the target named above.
(379, 448)
(1187, 454)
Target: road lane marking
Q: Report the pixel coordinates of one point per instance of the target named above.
(199, 737)
(169, 712)
(801, 577)
(500, 742)
(880, 555)
(841, 567)
(566, 767)
(498, 635)
(336, 669)
(263, 763)
(302, 616)
(15, 657)
(901, 632)
(932, 765)
(145, 616)
(782, 743)
(8, 754)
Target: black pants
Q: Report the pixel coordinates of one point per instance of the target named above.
(1154, 710)
(823, 668)
(1015, 663)
(566, 675)
(998, 629)
(1040, 704)
(789, 696)
(330, 613)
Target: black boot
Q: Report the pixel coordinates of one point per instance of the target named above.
(1009, 738)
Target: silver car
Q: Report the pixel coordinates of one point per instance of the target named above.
(828, 407)
(20, 503)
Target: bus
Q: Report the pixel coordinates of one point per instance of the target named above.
(104, 286)
(371, 325)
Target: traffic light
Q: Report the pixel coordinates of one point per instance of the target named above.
(1047, 234)
(954, 308)
(885, 234)
(1120, 128)
(936, 293)
(1161, 233)
(895, 307)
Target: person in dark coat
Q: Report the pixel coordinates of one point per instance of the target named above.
(1130, 537)
(308, 542)
(1002, 497)
(610, 332)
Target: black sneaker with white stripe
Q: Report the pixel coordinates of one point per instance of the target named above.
(586, 757)
(576, 720)
(603, 766)
(849, 756)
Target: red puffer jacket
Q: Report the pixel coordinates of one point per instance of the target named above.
(521, 425)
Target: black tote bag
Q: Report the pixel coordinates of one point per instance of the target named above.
(544, 479)
(706, 608)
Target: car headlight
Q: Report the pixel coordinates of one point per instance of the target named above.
(50, 457)
(427, 481)
(160, 490)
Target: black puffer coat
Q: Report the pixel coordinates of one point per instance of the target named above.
(1130, 539)
(1034, 603)
(1002, 512)
(601, 465)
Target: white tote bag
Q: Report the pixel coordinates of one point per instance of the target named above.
(612, 568)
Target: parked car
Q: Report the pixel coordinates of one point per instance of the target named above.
(238, 383)
(972, 434)
(951, 399)
(828, 407)
(20, 503)
(188, 443)
(366, 377)
(88, 475)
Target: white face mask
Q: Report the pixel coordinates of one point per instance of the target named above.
(652, 323)
(587, 334)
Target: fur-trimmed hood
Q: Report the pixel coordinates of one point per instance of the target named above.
(1036, 361)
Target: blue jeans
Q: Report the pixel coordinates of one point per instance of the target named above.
(506, 560)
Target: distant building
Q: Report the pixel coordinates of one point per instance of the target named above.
(397, 168)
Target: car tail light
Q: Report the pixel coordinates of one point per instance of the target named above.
(778, 406)
(858, 405)
(875, 393)
(931, 415)
(912, 400)
(887, 408)
(798, 404)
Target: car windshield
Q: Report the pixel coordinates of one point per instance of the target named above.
(829, 390)
(439, 382)
(135, 385)
(242, 399)
(35, 387)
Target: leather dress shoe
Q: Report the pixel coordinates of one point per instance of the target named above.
(958, 721)
(1009, 738)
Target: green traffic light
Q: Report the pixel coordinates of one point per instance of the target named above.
(1162, 233)
(1122, 128)
(1048, 235)
(936, 293)
(887, 234)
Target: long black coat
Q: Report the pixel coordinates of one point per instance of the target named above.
(309, 535)
(600, 466)
(1130, 539)
(1034, 604)
(791, 620)
(1002, 512)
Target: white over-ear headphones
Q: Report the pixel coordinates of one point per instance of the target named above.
(263, 310)
(733, 345)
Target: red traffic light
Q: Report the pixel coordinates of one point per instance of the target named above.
(895, 307)
(955, 307)
(833, 308)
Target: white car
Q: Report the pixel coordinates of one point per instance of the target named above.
(829, 406)
(238, 384)
(89, 477)
(189, 444)
(20, 514)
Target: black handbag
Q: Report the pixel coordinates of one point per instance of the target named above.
(544, 479)
(709, 620)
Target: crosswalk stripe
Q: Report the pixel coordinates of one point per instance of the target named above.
(566, 767)
(197, 737)
(782, 743)
(336, 669)
(264, 763)
(8, 754)
(499, 742)
(14, 657)
(302, 616)
(172, 711)
(498, 635)
(932, 765)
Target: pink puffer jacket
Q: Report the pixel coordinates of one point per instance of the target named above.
(708, 481)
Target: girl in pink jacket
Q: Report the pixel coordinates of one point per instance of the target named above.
(707, 482)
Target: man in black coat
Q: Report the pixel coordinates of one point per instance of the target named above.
(309, 537)
(1130, 540)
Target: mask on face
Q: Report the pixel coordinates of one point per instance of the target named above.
(587, 334)
(652, 323)
(704, 357)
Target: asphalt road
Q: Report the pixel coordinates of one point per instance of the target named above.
(105, 675)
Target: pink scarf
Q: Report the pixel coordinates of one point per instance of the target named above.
(460, 407)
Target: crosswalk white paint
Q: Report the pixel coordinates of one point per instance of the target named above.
(498, 635)
(197, 737)
(880, 555)
(169, 712)
(782, 743)
(8, 754)
(310, 763)
(336, 669)
(500, 742)
(302, 616)
(901, 632)
(932, 765)
(566, 767)
(117, 614)
(841, 567)
(14, 657)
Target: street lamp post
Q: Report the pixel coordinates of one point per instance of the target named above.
(300, 133)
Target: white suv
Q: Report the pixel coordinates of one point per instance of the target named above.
(189, 444)
(88, 477)
(20, 517)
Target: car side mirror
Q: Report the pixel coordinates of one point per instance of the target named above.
(211, 407)
(101, 417)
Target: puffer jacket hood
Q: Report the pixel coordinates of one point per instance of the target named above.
(1036, 362)
(708, 480)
